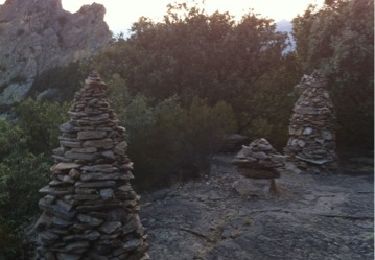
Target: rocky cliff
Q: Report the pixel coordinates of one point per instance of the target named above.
(36, 35)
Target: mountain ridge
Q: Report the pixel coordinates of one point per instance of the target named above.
(38, 35)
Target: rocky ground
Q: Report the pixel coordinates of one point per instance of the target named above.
(325, 216)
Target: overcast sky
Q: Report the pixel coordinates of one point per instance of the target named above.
(122, 13)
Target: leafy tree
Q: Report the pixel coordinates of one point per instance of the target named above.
(338, 40)
(39, 122)
(213, 57)
(22, 174)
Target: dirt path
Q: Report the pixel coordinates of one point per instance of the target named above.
(314, 217)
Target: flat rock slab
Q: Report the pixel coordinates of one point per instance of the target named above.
(325, 216)
(64, 166)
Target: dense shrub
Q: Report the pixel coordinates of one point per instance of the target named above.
(211, 56)
(24, 163)
(170, 143)
(22, 174)
(39, 122)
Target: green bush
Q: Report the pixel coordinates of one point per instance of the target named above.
(22, 174)
(24, 166)
(39, 121)
(169, 142)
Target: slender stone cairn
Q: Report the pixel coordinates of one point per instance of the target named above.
(90, 210)
(311, 143)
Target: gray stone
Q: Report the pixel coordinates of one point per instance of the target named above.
(64, 166)
(97, 176)
(86, 196)
(59, 151)
(108, 154)
(91, 135)
(43, 222)
(77, 247)
(60, 223)
(67, 127)
(47, 200)
(259, 155)
(97, 184)
(120, 148)
(70, 144)
(110, 227)
(100, 117)
(307, 131)
(89, 220)
(106, 193)
(48, 236)
(51, 191)
(68, 179)
(99, 168)
(327, 135)
(84, 150)
(132, 245)
(80, 156)
(102, 143)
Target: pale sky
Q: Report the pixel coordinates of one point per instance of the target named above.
(121, 14)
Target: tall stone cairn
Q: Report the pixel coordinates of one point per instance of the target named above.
(311, 141)
(90, 210)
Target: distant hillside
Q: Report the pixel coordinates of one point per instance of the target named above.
(286, 26)
(39, 35)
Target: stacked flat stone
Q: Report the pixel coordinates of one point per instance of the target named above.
(90, 210)
(259, 160)
(311, 141)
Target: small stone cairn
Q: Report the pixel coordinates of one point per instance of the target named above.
(311, 143)
(90, 210)
(260, 162)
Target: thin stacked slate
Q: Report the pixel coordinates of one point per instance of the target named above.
(90, 210)
(311, 141)
(259, 160)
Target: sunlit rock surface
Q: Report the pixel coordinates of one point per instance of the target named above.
(37, 35)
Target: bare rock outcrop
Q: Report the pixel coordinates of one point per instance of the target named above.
(90, 210)
(37, 35)
(311, 143)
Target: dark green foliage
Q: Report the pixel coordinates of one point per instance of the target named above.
(22, 174)
(195, 54)
(67, 80)
(168, 142)
(24, 168)
(213, 57)
(39, 122)
(338, 40)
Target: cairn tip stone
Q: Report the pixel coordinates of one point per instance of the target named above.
(90, 210)
(311, 144)
(260, 163)
(259, 160)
